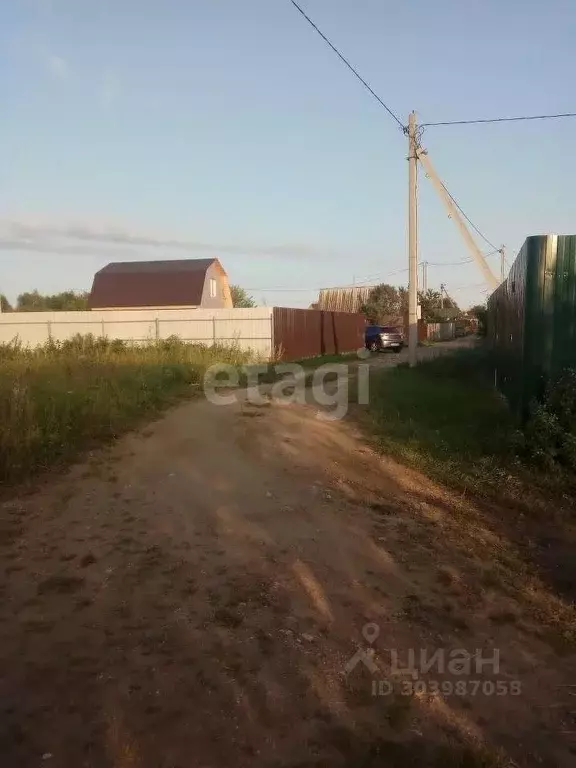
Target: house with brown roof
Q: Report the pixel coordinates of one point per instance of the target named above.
(176, 284)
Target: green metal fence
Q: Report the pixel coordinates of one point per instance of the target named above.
(532, 318)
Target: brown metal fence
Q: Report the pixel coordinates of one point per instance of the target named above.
(301, 333)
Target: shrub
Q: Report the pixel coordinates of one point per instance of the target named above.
(550, 432)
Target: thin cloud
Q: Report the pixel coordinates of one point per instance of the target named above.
(57, 67)
(22, 235)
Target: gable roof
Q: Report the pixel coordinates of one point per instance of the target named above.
(176, 283)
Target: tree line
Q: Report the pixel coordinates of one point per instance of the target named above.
(34, 301)
(386, 302)
(68, 301)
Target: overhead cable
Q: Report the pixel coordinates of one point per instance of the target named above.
(350, 67)
(501, 119)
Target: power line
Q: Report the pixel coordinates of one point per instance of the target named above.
(458, 263)
(350, 67)
(363, 283)
(474, 227)
(397, 119)
(358, 284)
(447, 264)
(464, 287)
(517, 118)
(380, 276)
(284, 290)
(502, 119)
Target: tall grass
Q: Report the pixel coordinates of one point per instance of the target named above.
(60, 398)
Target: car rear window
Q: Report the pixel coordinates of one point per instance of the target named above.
(389, 329)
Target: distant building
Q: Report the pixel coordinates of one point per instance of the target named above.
(177, 284)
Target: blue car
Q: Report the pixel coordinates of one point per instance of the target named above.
(379, 338)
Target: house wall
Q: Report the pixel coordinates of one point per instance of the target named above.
(251, 329)
(223, 299)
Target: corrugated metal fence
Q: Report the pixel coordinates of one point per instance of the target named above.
(440, 331)
(532, 318)
(300, 333)
(294, 333)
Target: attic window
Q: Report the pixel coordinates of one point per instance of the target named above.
(212, 288)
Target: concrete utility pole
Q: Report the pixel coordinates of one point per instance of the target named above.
(412, 241)
(424, 285)
(502, 263)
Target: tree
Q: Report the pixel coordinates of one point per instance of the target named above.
(387, 304)
(430, 301)
(480, 312)
(240, 298)
(30, 301)
(68, 301)
(33, 301)
(384, 302)
(5, 305)
(437, 307)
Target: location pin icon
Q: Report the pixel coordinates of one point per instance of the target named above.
(370, 632)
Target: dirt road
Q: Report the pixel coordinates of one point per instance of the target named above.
(439, 349)
(193, 595)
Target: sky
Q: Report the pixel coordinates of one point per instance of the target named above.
(140, 129)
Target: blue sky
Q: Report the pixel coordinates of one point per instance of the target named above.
(228, 128)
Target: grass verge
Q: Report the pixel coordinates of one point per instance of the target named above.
(61, 398)
(445, 418)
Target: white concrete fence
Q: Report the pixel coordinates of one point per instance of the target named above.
(250, 329)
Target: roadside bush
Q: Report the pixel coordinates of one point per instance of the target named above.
(84, 345)
(550, 432)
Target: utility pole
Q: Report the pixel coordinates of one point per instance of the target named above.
(424, 265)
(502, 263)
(412, 241)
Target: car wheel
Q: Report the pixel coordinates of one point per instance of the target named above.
(373, 346)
